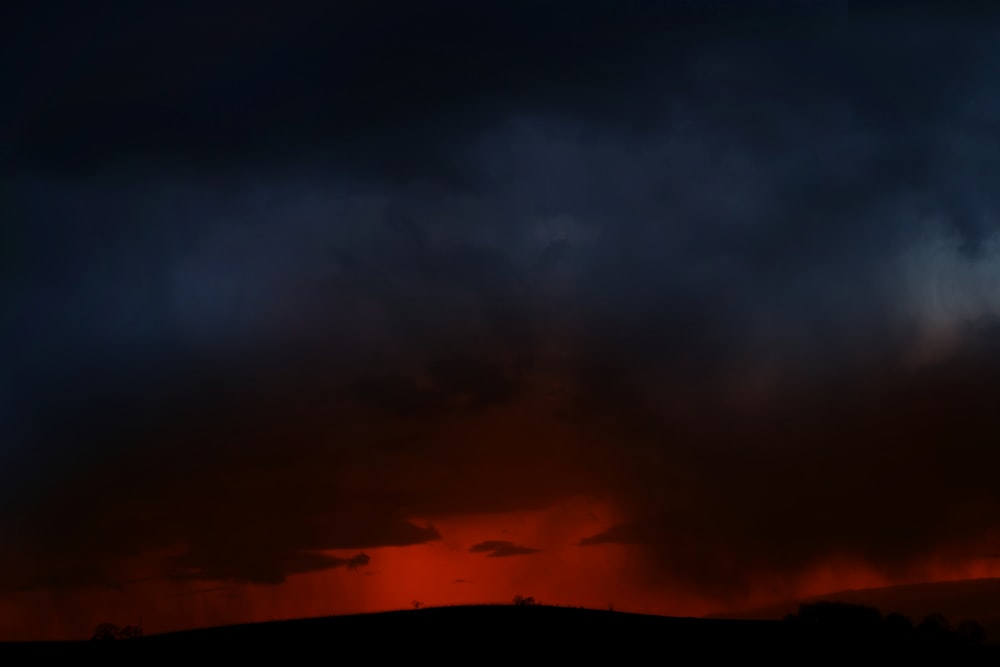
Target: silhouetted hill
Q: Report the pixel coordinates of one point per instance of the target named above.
(485, 634)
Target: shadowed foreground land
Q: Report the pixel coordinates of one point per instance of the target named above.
(472, 634)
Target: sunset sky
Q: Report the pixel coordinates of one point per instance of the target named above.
(312, 308)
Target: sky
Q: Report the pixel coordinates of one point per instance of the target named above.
(316, 308)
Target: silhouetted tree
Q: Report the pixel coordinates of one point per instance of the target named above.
(110, 631)
(521, 601)
(897, 627)
(971, 631)
(839, 615)
(130, 632)
(935, 628)
(837, 626)
(417, 604)
(105, 632)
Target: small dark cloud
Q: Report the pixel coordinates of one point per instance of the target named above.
(501, 549)
(356, 561)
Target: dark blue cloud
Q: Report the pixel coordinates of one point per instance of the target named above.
(280, 248)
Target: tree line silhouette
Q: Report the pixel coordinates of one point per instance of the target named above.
(110, 631)
(844, 624)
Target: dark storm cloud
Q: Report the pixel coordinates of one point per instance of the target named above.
(258, 568)
(885, 467)
(283, 280)
(378, 84)
(501, 549)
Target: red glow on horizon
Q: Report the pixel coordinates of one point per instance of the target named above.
(444, 572)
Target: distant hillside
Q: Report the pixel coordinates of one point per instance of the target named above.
(978, 599)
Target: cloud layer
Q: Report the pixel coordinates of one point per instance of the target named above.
(321, 276)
